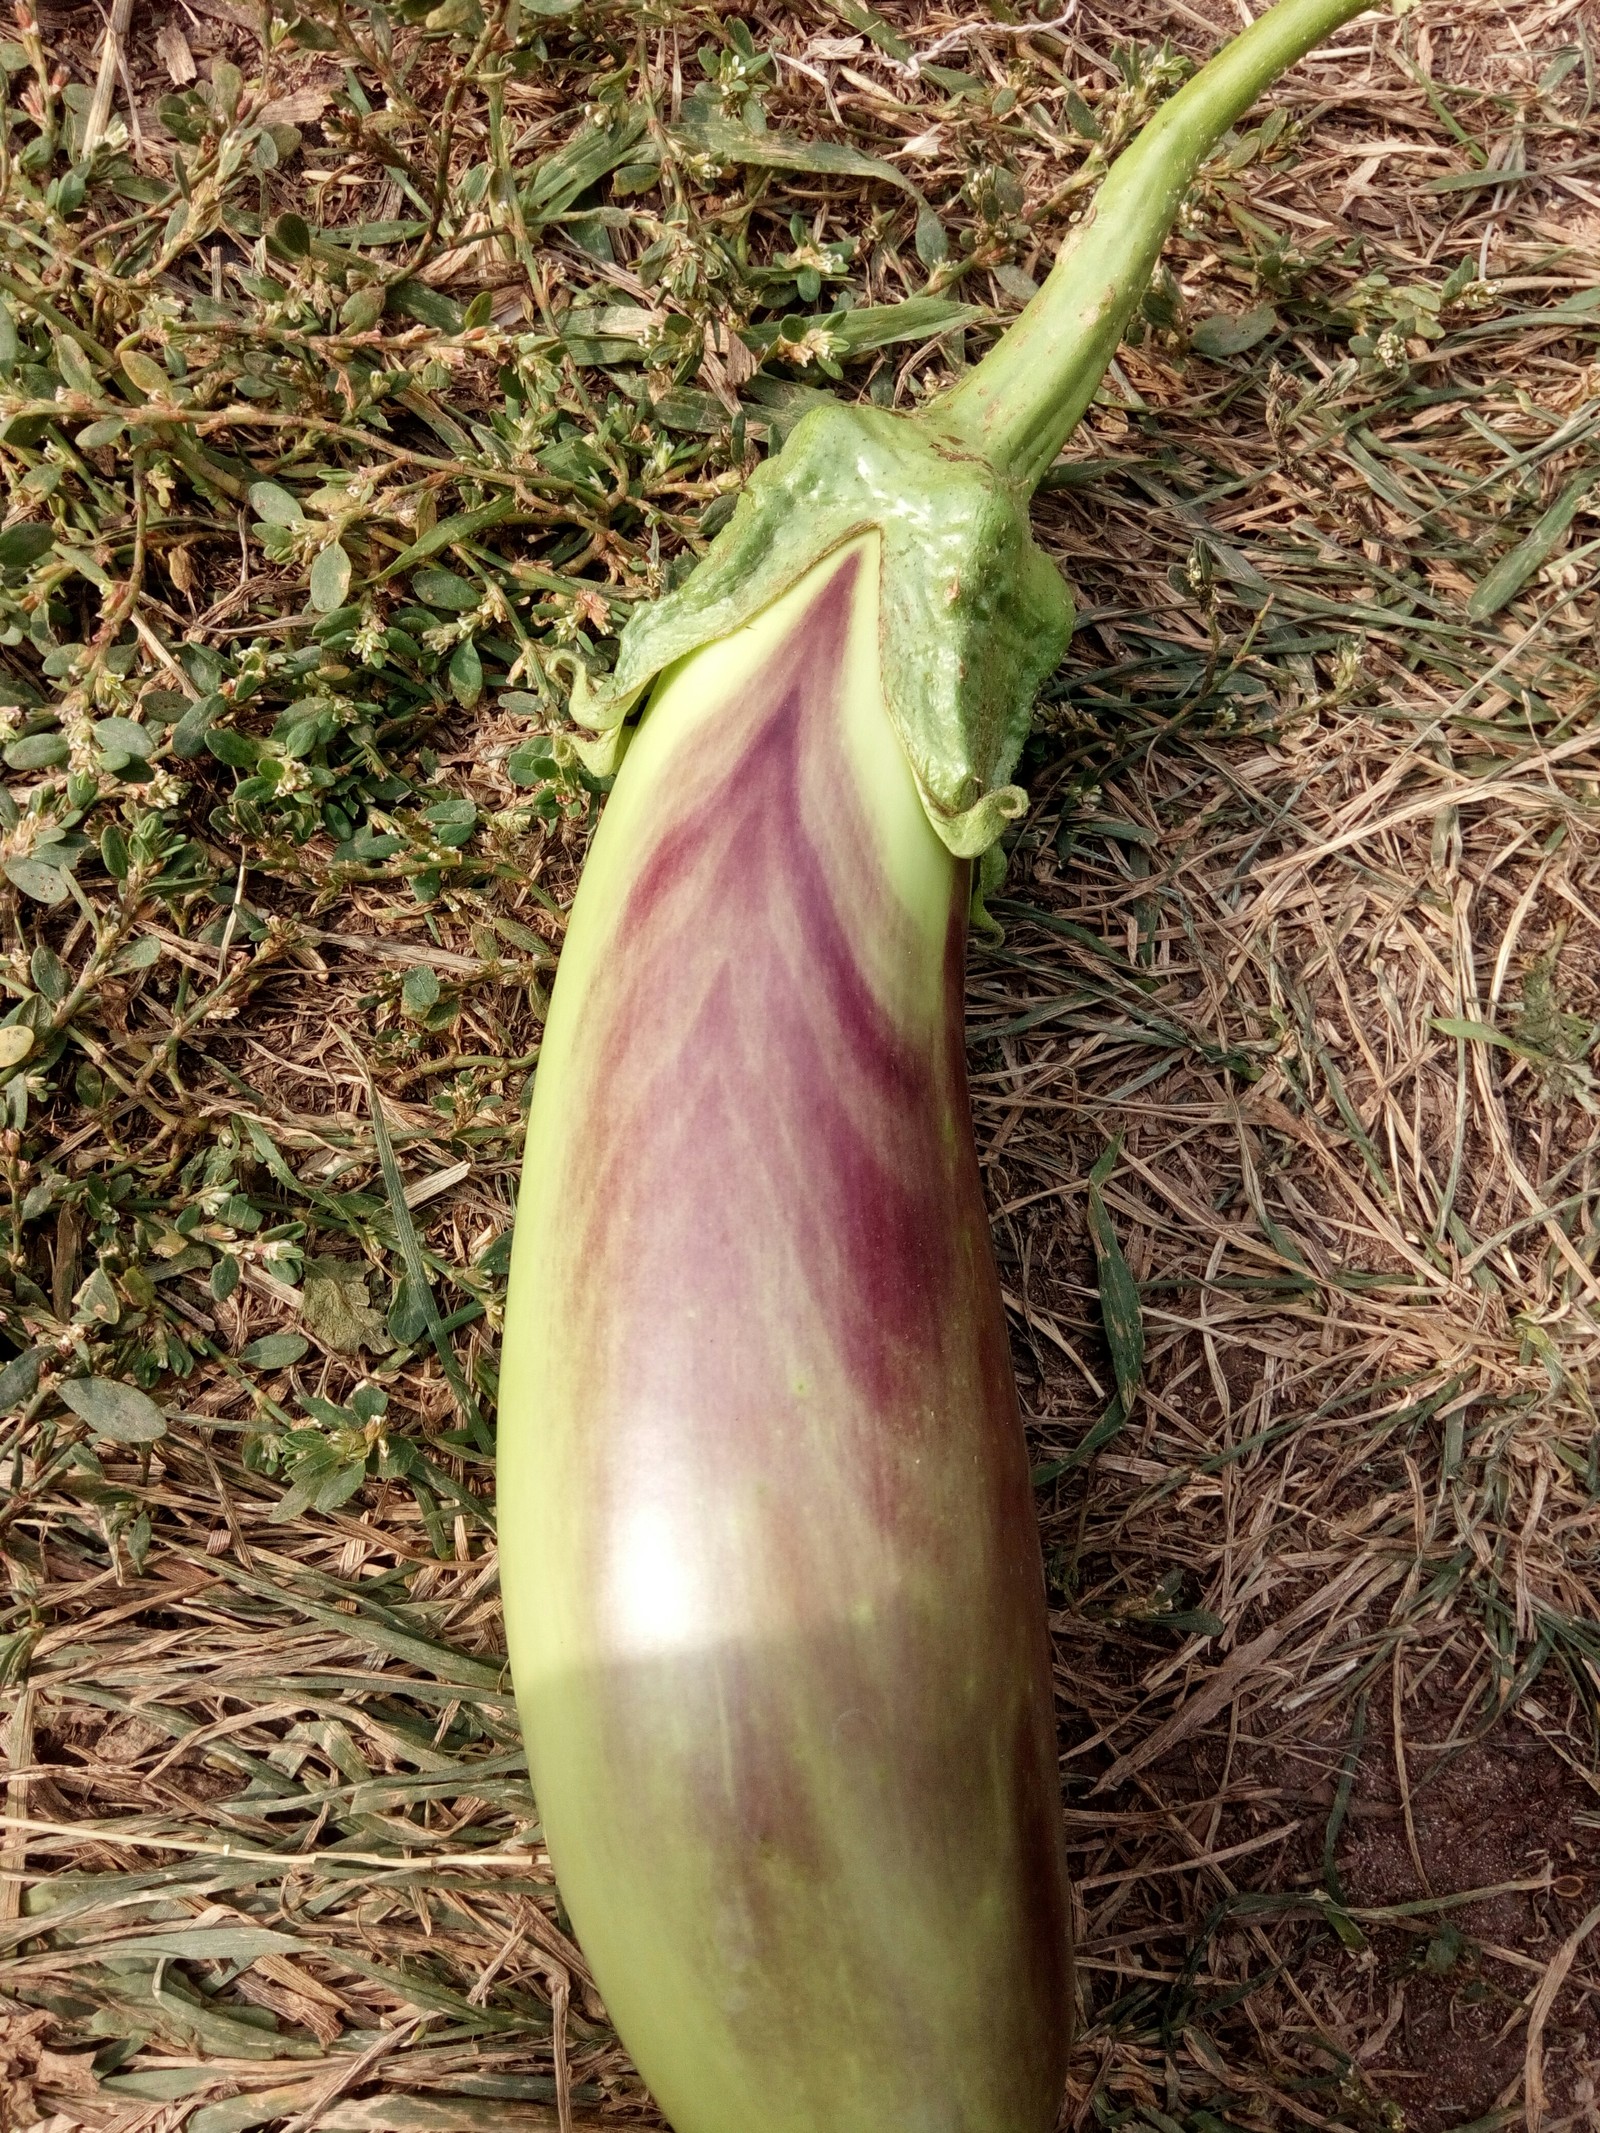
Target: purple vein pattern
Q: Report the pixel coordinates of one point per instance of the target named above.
(776, 1606)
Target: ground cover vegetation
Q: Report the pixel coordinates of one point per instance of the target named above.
(360, 369)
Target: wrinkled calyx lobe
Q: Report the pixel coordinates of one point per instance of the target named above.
(973, 617)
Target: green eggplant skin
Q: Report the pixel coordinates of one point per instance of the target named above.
(771, 1573)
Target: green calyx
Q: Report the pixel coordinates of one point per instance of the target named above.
(973, 617)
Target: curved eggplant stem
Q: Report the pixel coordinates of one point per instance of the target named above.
(1020, 404)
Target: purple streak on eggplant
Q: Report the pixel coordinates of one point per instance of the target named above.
(767, 1536)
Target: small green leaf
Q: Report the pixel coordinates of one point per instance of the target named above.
(1016, 283)
(530, 762)
(1344, 1926)
(142, 954)
(16, 1042)
(45, 884)
(430, 307)
(330, 578)
(94, 435)
(24, 544)
(443, 588)
(115, 1410)
(932, 243)
(291, 235)
(453, 821)
(38, 751)
(463, 15)
(49, 975)
(274, 505)
(145, 373)
(466, 673)
(311, 36)
(227, 86)
(136, 1539)
(338, 1311)
(1484, 1033)
(1193, 1622)
(325, 1472)
(1081, 118)
(97, 1303)
(1229, 334)
(75, 368)
(114, 852)
(238, 750)
(363, 308)
(123, 737)
(183, 117)
(1444, 1951)
(19, 1380)
(420, 991)
(408, 1315)
(1474, 1032)
(273, 1351)
(189, 734)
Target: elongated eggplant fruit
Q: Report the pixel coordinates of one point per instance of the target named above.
(770, 1565)
(766, 1540)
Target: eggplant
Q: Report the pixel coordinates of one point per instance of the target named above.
(772, 1584)
(773, 1594)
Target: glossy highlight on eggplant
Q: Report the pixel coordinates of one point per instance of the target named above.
(770, 1565)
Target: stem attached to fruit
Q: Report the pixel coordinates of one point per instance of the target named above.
(1020, 404)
